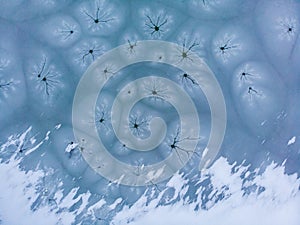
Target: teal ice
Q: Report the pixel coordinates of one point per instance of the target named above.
(252, 47)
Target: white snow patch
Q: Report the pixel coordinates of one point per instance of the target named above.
(292, 141)
(277, 204)
(117, 202)
(17, 194)
(18, 190)
(58, 126)
(97, 205)
(71, 146)
(226, 213)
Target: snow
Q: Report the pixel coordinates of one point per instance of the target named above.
(292, 141)
(278, 204)
(252, 211)
(17, 194)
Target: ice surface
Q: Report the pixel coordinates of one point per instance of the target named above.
(251, 47)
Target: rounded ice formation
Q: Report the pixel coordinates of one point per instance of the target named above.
(184, 143)
(259, 95)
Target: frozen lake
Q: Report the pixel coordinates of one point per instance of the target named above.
(149, 112)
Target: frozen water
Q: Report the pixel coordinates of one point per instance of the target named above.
(252, 48)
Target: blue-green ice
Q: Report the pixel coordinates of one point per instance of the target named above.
(149, 112)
